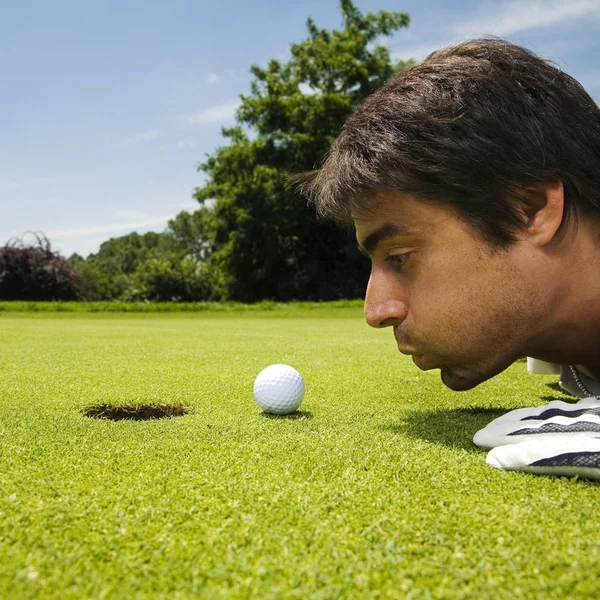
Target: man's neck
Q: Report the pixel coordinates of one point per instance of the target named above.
(571, 334)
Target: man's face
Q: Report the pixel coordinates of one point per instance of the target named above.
(452, 304)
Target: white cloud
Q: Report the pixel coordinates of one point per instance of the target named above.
(139, 223)
(181, 144)
(504, 19)
(71, 179)
(145, 136)
(212, 79)
(87, 239)
(37, 180)
(521, 15)
(214, 114)
(10, 185)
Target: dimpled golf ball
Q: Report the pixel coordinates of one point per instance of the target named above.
(279, 389)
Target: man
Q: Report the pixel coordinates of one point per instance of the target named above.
(473, 182)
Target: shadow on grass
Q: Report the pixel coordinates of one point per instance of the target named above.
(571, 399)
(299, 415)
(455, 427)
(141, 412)
(556, 387)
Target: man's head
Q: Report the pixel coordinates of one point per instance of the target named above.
(477, 164)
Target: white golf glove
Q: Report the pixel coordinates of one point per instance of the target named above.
(559, 438)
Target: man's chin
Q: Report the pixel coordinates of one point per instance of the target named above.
(461, 383)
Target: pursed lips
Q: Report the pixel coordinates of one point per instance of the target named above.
(402, 348)
(424, 363)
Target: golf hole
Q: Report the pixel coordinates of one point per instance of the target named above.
(139, 412)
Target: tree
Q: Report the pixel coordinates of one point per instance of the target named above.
(121, 255)
(189, 232)
(259, 234)
(111, 272)
(153, 266)
(172, 278)
(35, 272)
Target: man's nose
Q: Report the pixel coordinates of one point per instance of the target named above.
(384, 302)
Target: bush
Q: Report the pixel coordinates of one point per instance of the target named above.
(171, 278)
(35, 272)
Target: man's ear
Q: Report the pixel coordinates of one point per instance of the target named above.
(542, 207)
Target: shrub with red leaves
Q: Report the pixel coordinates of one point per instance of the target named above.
(35, 272)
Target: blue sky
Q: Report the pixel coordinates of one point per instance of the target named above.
(107, 107)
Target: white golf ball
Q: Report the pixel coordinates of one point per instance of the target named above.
(279, 389)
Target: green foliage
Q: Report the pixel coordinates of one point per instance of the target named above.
(153, 266)
(122, 255)
(263, 239)
(189, 232)
(170, 278)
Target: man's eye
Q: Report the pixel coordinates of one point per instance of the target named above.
(397, 261)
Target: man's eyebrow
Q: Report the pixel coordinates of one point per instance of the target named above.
(384, 232)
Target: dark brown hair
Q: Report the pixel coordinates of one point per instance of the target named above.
(468, 126)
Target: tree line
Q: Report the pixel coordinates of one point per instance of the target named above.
(253, 237)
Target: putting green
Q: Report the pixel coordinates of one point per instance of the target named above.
(374, 489)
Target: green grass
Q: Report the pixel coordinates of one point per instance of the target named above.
(373, 490)
(154, 307)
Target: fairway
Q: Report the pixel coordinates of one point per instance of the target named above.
(373, 490)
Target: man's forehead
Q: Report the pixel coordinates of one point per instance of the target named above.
(369, 238)
(409, 215)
